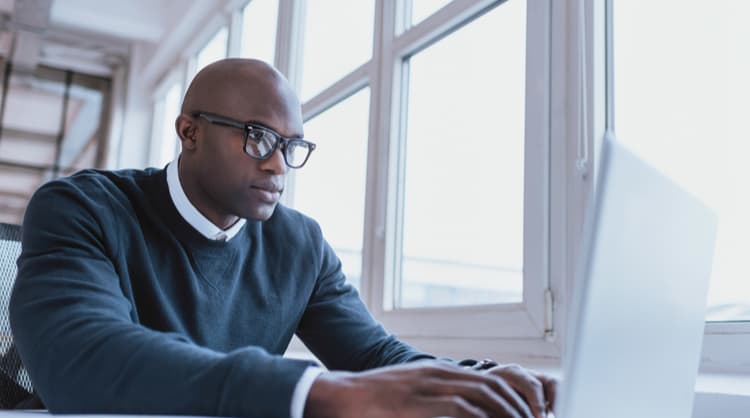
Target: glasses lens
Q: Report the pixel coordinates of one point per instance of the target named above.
(260, 144)
(296, 153)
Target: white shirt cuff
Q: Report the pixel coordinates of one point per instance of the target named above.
(299, 397)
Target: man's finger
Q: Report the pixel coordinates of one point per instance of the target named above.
(550, 389)
(480, 395)
(527, 385)
(496, 383)
(504, 387)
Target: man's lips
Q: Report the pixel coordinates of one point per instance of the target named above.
(268, 189)
(268, 192)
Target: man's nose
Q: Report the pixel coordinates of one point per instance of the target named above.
(275, 163)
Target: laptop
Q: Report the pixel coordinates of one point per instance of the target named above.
(637, 318)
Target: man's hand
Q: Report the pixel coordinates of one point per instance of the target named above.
(538, 390)
(422, 390)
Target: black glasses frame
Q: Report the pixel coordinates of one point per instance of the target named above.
(249, 128)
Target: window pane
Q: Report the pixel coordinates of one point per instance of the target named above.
(85, 118)
(422, 9)
(334, 46)
(681, 103)
(214, 50)
(39, 94)
(337, 200)
(169, 139)
(464, 179)
(259, 29)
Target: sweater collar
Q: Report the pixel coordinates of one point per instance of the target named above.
(191, 214)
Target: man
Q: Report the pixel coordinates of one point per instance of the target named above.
(176, 291)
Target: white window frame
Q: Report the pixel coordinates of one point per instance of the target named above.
(233, 11)
(515, 320)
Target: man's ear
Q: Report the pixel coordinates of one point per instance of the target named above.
(186, 129)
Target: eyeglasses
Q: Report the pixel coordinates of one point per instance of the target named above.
(262, 142)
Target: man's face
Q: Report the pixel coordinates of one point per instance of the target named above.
(235, 183)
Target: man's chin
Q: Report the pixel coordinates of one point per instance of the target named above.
(261, 213)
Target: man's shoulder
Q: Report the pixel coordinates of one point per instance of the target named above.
(111, 177)
(92, 189)
(93, 182)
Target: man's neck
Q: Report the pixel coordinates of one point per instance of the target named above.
(197, 196)
(208, 223)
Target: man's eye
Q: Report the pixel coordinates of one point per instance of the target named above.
(256, 136)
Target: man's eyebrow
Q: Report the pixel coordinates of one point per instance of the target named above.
(264, 126)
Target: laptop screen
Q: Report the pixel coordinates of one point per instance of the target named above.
(637, 313)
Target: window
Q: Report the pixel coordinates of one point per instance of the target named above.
(166, 109)
(259, 30)
(434, 201)
(214, 50)
(421, 9)
(82, 144)
(333, 46)
(331, 186)
(464, 172)
(680, 99)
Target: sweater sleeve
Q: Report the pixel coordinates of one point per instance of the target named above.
(338, 328)
(85, 353)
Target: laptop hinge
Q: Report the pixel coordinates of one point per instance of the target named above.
(549, 304)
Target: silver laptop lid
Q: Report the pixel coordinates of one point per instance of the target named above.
(637, 314)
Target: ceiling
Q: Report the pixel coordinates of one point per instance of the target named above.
(81, 33)
(85, 36)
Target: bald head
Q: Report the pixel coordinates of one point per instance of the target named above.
(244, 89)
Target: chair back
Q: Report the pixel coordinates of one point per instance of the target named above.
(15, 384)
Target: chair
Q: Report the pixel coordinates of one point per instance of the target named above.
(15, 384)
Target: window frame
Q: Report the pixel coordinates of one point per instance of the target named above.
(527, 319)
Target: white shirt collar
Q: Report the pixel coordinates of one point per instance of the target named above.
(191, 214)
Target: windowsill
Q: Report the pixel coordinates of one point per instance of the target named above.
(724, 395)
(714, 383)
(724, 383)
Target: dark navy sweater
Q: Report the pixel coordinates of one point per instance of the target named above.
(121, 306)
